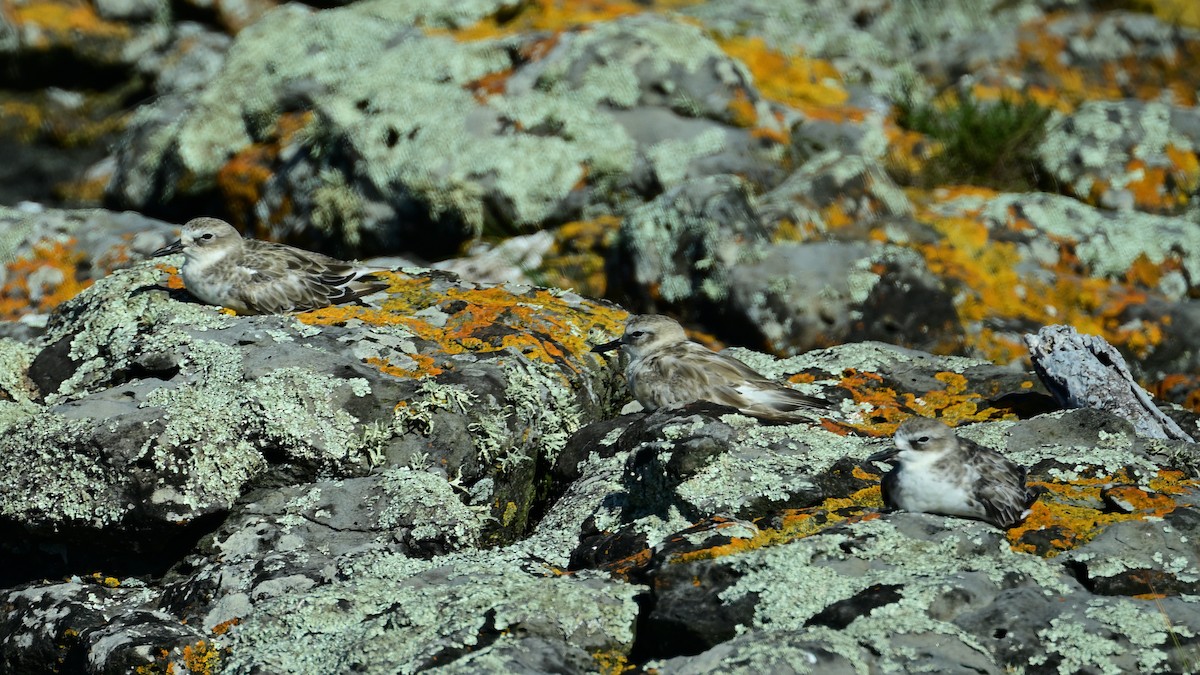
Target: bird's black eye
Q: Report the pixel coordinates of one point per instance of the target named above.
(637, 334)
(923, 439)
(206, 236)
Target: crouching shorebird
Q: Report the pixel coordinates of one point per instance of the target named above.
(938, 472)
(261, 277)
(666, 370)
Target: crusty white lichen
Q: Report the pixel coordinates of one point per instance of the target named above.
(395, 614)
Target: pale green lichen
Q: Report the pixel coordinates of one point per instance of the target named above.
(671, 158)
(300, 415)
(1107, 243)
(1109, 454)
(431, 397)
(15, 358)
(392, 614)
(863, 356)
(545, 404)
(225, 424)
(795, 581)
(443, 514)
(1112, 636)
(716, 241)
(110, 330)
(45, 480)
(768, 463)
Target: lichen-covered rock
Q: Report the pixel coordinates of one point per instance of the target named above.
(189, 406)
(801, 296)
(717, 461)
(704, 249)
(679, 250)
(441, 139)
(419, 548)
(93, 624)
(89, 36)
(400, 615)
(833, 190)
(872, 41)
(289, 539)
(49, 255)
(1126, 155)
(1021, 261)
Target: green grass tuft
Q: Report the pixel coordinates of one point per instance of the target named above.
(985, 143)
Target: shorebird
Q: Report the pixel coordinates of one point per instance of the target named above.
(666, 370)
(261, 277)
(938, 472)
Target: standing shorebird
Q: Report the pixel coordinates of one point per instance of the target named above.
(938, 472)
(666, 370)
(261, 277)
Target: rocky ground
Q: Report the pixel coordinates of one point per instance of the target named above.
(873, 202)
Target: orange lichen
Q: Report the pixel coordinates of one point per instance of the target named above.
(987, 267)
(803, 83)
(556, 15)
(201, 658)
(577, 257)
(224, 626)
(1074, 512)
(489, 85)
(54, 267)
(21, 120)
(954, 404)
(798, 524)
(742, 110)
(1163, 189)
(538, 324)
(243, 178)
(1058, 82)
(1181, 12)
(58, 20)
(612, 662)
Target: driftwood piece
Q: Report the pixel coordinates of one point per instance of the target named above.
(1084, 371)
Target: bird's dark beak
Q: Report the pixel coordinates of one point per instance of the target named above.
(888, 455)
(607, 346)
(168, 250)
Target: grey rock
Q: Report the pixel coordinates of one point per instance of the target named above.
(679, 250)
(857, 185)
(109, 628)
(872, 41)
(801, 296)
(291, 538)
(188, 406)
(1138, 557)
(401, 615)
(1084, 371)
(132, 10)
(1093, 151)
(401, 155)
(782, 652)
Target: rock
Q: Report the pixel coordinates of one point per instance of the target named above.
(49, 255)
(801, 296)
(1084, 371)
(410, 615)
(1125, 155)
(90, 624)
(289, 539)
(374, 129)
(191, 407)
(867, 40)
(783, 652)
(680, 249)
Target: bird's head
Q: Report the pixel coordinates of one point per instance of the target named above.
(203, 238)
(645, 333)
